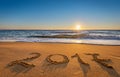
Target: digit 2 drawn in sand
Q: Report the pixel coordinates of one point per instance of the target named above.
(23, 62)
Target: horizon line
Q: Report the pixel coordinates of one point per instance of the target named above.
(60, 29)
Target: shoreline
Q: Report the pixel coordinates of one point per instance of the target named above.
(56, 43)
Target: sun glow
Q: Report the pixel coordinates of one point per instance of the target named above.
(78, 27)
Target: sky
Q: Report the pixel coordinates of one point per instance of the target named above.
(59, 14)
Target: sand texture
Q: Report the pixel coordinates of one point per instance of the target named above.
(20, 59)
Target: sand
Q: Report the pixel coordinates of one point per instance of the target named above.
(13, 51)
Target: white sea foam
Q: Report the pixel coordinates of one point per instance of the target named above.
(92, 37)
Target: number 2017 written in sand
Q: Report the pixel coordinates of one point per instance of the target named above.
(23, 62)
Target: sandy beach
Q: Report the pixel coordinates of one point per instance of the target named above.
(33, 56)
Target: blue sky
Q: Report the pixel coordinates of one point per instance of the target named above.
(59, 14)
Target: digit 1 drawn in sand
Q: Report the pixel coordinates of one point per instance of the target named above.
(85, 66)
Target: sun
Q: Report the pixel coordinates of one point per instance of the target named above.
(78, 27)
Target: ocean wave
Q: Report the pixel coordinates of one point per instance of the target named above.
(60, 36)
(80, 36)
(90, 37)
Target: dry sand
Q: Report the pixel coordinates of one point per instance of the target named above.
(19, 50)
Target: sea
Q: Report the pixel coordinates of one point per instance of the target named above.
(99, 37)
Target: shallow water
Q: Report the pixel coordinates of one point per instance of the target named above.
(106, 37)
